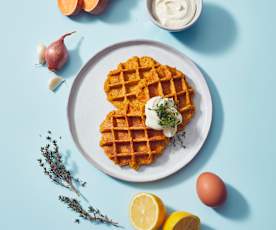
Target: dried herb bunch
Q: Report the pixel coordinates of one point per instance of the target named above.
(92, 214)
(54, 167)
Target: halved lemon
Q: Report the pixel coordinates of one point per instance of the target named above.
(146, 211)
(182, 221)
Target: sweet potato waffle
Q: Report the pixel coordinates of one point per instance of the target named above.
(122, 84)
(125, 138)
(171, 83)
(127, 141)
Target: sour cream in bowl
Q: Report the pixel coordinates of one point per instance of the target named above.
(174, 15)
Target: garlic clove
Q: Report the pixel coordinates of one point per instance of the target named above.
(55, 82)
(40, 49)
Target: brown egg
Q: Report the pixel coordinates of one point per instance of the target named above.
(211, 189)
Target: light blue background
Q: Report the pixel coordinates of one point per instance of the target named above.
(234, 45)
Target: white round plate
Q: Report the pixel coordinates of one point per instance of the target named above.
(88, 106)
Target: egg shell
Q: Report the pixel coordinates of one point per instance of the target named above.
(211, 189)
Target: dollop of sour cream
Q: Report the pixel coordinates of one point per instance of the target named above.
(153, 120)
(174, 13)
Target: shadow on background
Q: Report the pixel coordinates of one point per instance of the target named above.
(205, 153)
(118, 11)
(74, 63)
(70, 164)
(170, 210)
(215, 31)
(236, 207)
(206, 227)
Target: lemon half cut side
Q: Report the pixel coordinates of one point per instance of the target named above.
(146, 212)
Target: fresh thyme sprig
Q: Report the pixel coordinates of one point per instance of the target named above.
(92, 214)
(54, 167)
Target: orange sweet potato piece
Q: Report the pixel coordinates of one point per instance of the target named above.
(94, 6)
(70, 7)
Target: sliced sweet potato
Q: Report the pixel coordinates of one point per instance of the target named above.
(94, 6)
(70, 7)
(90, 5)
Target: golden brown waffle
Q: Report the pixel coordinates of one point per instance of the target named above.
(125, 138)
(168, 82)
(127, 141)
(121, 84)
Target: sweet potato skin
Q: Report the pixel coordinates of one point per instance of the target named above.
(89, 5)
(97, 8)
(76, 6)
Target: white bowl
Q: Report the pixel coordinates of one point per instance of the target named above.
(199, 5)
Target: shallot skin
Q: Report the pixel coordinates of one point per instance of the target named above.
(56, 54)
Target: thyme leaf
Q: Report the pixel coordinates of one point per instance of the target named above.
(178, 140)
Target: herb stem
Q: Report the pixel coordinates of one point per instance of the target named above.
(73, 188)
(92, 214)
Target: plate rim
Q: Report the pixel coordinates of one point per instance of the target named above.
(108, 49)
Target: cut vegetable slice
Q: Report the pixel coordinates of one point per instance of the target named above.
(94, 6)
(70, 7)
(182, 221)
(146, 212)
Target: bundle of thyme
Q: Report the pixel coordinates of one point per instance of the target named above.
(54, 167)
(92, 214)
